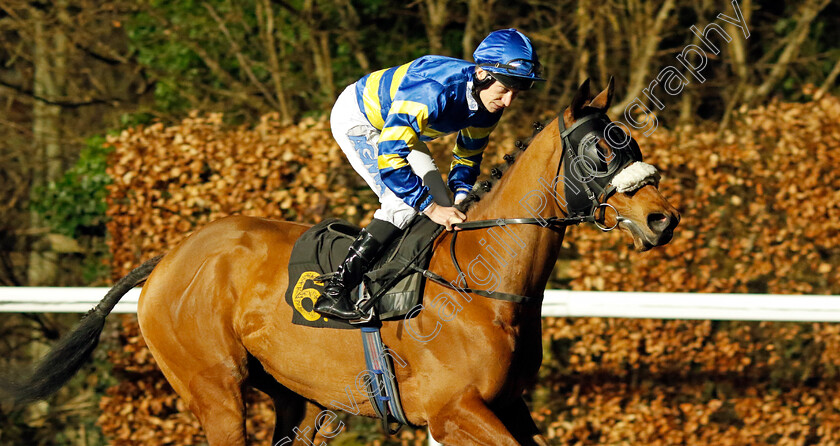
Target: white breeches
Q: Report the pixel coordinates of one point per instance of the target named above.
(358, 140)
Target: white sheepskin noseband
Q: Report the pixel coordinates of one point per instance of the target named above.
(635, 176)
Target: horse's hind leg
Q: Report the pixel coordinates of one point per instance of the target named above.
(294, 422)
(210, 384)
(221, 412)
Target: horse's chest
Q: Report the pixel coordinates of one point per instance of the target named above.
(521, 343)
(509, 359)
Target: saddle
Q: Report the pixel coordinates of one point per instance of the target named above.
(392, 281)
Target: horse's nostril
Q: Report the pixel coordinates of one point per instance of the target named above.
(675, 220)
(658, 222)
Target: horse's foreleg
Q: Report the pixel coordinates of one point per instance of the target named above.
(517, 417)
(466, 420)
(295, 422)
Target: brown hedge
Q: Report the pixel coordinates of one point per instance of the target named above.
(760, 207)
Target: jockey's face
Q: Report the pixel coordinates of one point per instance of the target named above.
(496, 97)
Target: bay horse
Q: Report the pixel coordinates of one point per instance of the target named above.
(213, 314)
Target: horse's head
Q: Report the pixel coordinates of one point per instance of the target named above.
(604, 174)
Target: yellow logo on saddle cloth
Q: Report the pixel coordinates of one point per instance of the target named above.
(300, 293)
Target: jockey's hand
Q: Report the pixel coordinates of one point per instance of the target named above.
(445, 216)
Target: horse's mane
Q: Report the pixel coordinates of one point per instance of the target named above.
(482, 187)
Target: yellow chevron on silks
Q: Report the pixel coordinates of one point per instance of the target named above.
(477, 132)
(371, 99)
(397, 78)
(462, 162)
(392, 160)
(411, 108)
(399, 133)
(462, 152)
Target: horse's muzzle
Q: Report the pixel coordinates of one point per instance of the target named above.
(659, 230)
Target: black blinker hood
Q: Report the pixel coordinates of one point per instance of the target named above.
(586, 172)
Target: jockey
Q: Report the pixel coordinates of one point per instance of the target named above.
(382, 122)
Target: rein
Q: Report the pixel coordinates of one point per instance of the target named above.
(587, 207)
(550, 223)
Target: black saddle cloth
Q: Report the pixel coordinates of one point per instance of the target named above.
(321, 250)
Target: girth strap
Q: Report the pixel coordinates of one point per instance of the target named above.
(382, 388)
(544, 222)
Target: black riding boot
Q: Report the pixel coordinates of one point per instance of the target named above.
(336, 300)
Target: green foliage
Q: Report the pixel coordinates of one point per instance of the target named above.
(216, 55)
(129, 120)
(159, 49)
(75, 204)
(193, 58)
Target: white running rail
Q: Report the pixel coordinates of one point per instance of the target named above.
(558, 303)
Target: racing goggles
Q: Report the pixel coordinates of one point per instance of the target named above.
(516, 67)
(516, 74)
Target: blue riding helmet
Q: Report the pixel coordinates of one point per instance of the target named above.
(509, 57)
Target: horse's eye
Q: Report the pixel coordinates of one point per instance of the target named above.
(589, 145)
(616, 137)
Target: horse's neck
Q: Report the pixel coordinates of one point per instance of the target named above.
(524, 255)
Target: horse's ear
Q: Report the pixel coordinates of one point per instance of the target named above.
(581, 99)
(604, 99)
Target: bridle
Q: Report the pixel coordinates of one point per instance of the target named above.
(586, 191)
(588, 173)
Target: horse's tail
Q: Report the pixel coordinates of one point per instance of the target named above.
(74, 349)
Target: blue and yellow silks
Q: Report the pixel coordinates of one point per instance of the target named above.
(420, 101)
